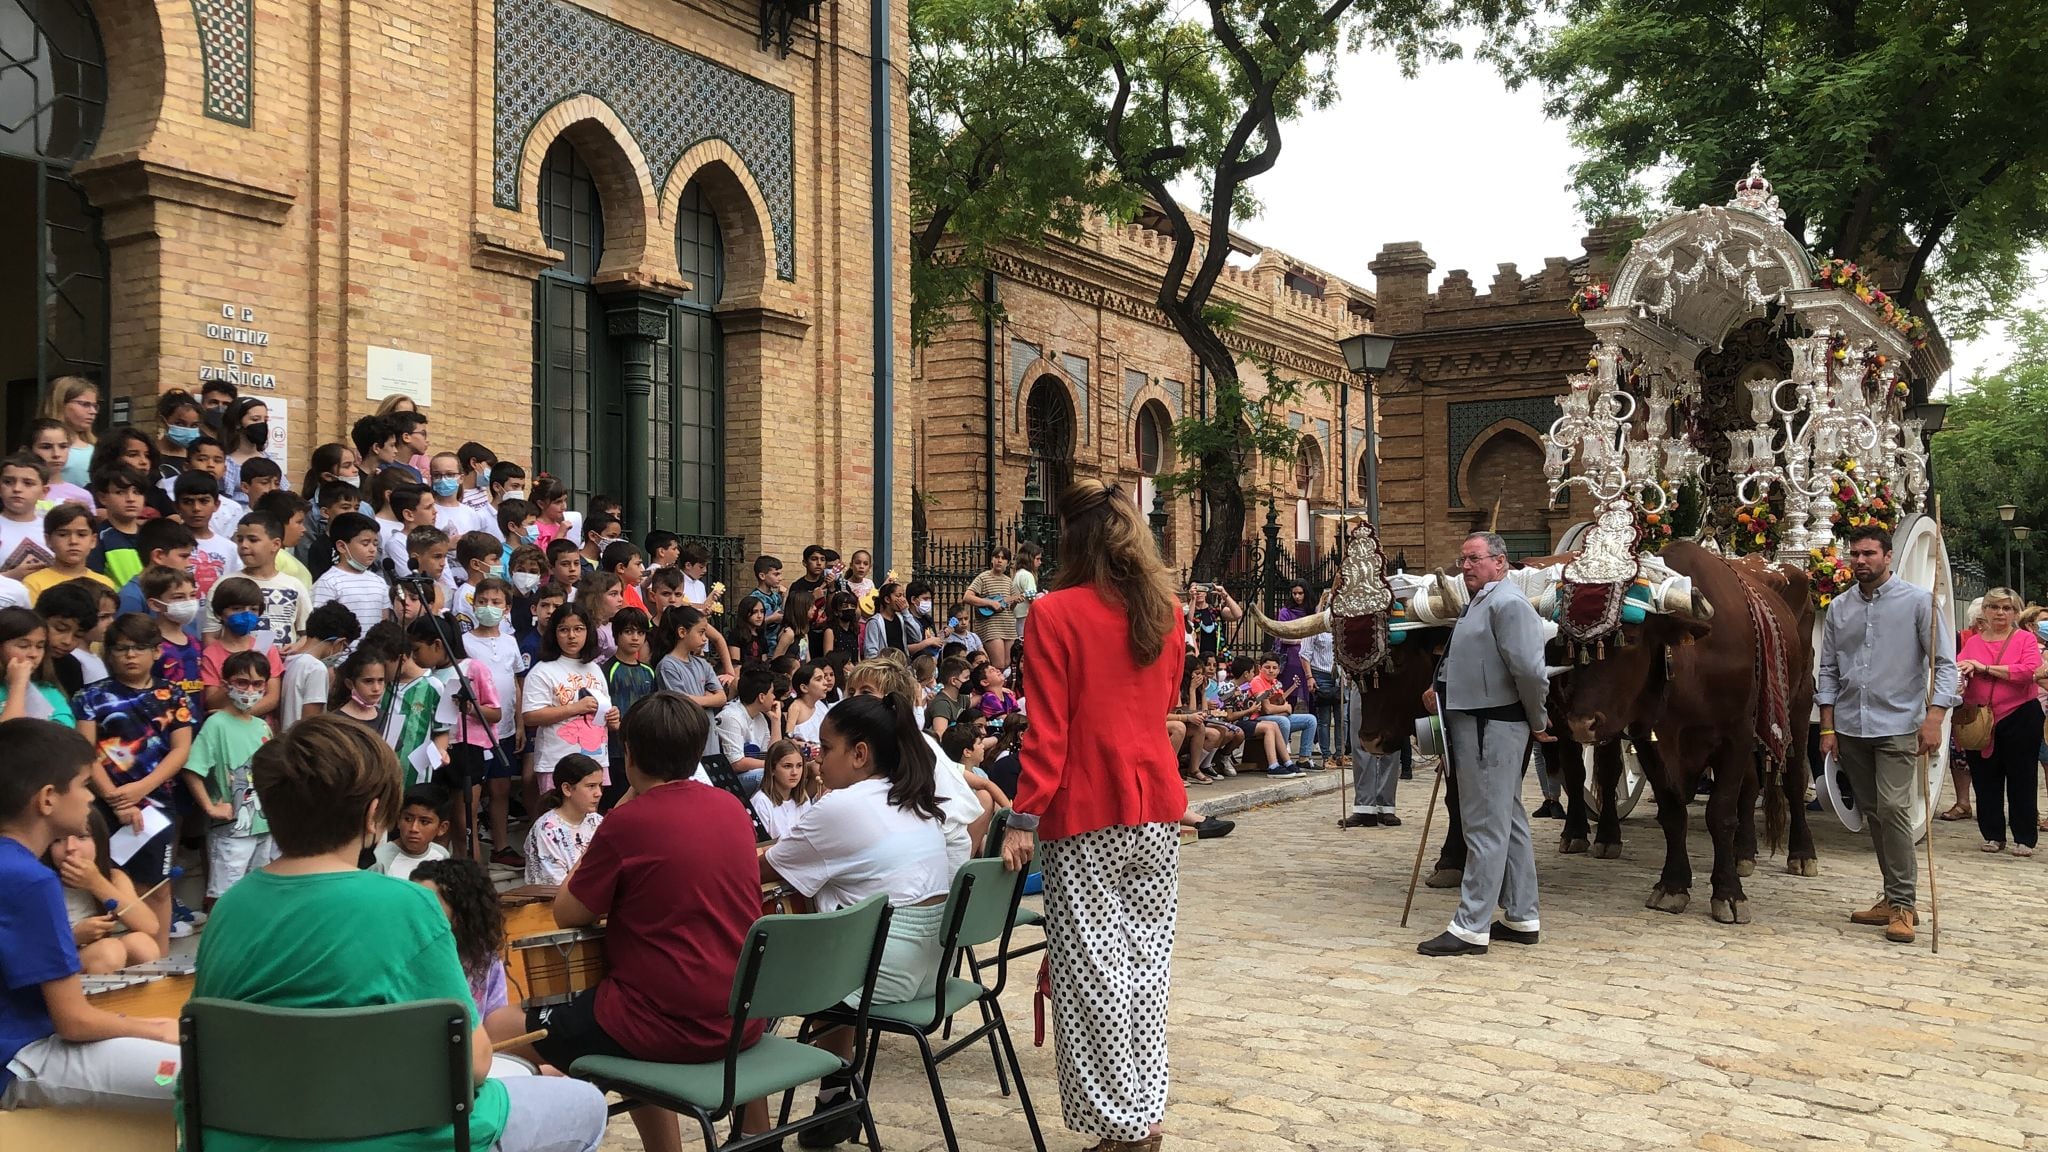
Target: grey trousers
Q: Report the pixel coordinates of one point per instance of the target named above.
(1373, 779)
(1883, 774)
(1500, 866)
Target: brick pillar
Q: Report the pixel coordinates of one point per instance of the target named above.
(1401, 285)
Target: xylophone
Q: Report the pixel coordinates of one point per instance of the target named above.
(158, 988)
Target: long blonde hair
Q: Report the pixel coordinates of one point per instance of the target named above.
(63, 390)
(1105, 544)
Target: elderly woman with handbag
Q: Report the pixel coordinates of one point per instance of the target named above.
(1999, 725)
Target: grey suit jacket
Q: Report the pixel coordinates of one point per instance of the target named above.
(1496, 656)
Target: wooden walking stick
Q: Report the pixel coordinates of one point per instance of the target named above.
(1428, 814)
(1941, 588)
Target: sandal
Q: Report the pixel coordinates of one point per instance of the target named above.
(1992, 846)
(1957, 812)
(2022, 850)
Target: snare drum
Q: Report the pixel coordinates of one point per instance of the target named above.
(561, 964)
(782, 900)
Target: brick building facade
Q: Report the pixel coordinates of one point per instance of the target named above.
(561, 211)
(1083, 376)
(1469, 394)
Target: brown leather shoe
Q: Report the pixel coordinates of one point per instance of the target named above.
(1900, 929)
(1877, 915)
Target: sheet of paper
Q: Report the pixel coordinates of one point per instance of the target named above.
(126, 842)
(425, 759)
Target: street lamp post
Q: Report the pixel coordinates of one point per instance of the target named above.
(2020, 532)
(1367, 354)
(2006, 512)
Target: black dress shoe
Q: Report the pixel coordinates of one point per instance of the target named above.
(1214, 827)
(1362, 820)
(1449, 945)
(1550, 810)
(1513, 935)
(1389, 820)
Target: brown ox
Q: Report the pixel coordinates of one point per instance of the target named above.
(1697, 688)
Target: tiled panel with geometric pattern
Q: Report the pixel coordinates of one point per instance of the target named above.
(1466, 421)
(226, 34)
(669, 99)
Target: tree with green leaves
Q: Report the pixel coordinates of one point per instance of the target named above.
(1196, 95)
(998, 151)
(1905, 134)
(1994, 450)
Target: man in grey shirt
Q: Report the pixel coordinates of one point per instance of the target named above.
(1875, 711)
(1494, 691)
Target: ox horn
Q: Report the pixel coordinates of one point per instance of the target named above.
(1301, 628)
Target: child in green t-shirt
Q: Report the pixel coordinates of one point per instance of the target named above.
(310, 930)
(217, 772)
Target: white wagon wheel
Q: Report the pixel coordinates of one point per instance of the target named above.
(1628, 792)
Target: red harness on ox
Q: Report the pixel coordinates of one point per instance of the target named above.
(1773, 690)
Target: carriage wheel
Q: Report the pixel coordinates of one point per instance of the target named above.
(1628, 792)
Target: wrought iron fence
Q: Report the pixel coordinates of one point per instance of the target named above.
(730, 564)
(950, 564)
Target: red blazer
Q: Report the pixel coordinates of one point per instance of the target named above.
(1096, 754)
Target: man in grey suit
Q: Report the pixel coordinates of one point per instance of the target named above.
(1493, 687)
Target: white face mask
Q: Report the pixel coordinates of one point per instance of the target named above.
(244, 698)
(924, 607)
(525, 582)
(181, 611)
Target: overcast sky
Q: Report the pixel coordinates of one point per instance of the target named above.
(1452, 159)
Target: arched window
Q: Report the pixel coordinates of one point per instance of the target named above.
(688, 439)
(53, 94)
(570, 348)
(1154, 436)
(1049, 435)
(1308, 469)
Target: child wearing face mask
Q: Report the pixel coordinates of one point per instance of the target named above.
(217, 773)
(238, 606)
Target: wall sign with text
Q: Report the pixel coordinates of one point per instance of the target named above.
(236, 351)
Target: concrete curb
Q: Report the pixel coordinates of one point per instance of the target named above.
(1262, 793)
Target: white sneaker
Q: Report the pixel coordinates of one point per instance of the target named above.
(181, 929)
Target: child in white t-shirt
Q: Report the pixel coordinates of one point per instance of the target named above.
(331, 630)
(421, 824)
(556, 841)
(787, 790)
(565, 698)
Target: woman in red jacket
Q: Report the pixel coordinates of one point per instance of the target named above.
(1101, 788)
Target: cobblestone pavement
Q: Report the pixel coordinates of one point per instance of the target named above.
(1303, 1019)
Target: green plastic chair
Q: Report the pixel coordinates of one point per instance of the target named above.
(354, 1073)
(980, 909)
(1024, 917)
(791, 966)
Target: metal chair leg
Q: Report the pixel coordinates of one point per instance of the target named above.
(1023, 1094)
(931, 1073)
(995, 1053)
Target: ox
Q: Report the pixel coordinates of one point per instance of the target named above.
(1700, 688)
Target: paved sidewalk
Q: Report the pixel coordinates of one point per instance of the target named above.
(1303, 1019)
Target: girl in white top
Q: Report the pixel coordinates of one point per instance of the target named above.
(556, 841)
(787, 791)
(812, 682)
(565, 697)
(878, 830)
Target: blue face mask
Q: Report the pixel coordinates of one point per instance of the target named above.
(242, 622)
(483, 477)
(182, 436)
(447, 486)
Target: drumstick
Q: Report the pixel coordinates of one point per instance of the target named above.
(123, 910)
(525, 1038)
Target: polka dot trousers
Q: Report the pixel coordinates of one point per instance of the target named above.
(1109, 911)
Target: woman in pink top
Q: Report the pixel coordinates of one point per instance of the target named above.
(1998, 664)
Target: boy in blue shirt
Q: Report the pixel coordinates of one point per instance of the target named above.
(56, 1049)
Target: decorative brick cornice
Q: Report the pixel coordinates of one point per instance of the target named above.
(1124, 303)
(129, 189)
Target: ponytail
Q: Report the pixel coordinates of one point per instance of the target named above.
(887, 724)
(570, 771)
